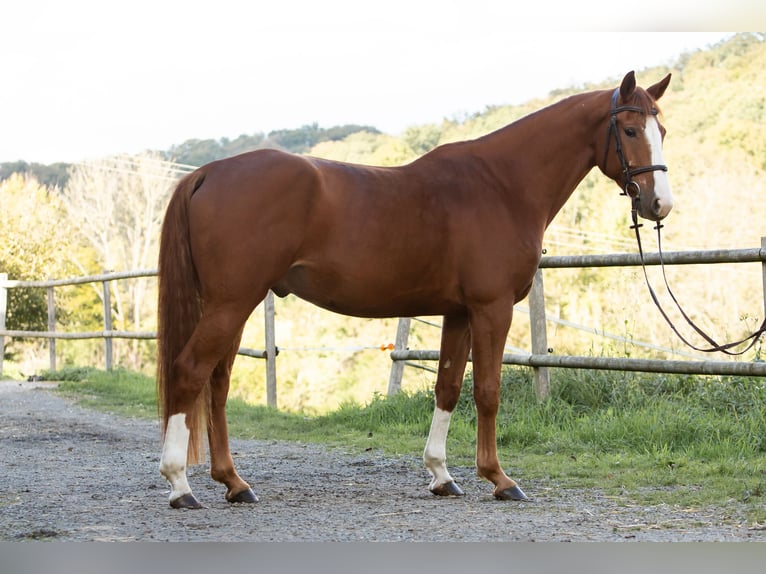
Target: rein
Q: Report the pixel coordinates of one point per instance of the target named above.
(714, 346)
(633, 189)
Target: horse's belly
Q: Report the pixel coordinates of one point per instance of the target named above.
(373, 293)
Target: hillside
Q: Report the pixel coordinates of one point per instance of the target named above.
(197, 152)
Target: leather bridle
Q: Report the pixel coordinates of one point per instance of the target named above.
(632, 189)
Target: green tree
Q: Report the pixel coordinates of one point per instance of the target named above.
(301, 140)
(30, 248)
(422, 139)
(115, 206)
(366, 148)
(51, 176)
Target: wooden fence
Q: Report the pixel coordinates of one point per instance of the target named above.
(539, 359)
(269, 352)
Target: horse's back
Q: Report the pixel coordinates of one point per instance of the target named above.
(360, 240)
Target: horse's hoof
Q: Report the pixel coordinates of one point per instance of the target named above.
(448, 489)
(244, 496)
(512, 493)
(186, 501)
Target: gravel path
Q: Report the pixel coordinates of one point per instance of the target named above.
(69, 473)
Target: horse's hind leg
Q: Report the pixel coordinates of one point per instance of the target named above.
(212, 339)
(221, 462)
(455, 344)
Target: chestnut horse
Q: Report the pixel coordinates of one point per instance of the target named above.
(457, 232)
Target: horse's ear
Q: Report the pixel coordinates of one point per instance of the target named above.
(627, 86)
(659, 88)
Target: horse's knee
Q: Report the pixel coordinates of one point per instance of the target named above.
(447, 390)
(486, 396)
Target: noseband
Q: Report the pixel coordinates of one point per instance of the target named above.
(630, 187)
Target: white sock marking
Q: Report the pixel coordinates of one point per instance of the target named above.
(435, 454)
(173, 461)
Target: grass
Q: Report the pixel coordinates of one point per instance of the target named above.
(689, 441)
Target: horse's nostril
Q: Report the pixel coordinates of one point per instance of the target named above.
(657, 206)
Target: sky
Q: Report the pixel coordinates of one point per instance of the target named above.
(85, 79)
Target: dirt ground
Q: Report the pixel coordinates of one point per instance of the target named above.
(72, 474)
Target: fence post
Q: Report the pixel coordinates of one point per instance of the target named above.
(107, 326)
(271, 351)
(539, 334)
(397, 367)
(51, 328)
(763, 268)
(3, 307)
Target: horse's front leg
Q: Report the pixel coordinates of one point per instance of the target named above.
(455, 345)
(221, 462)
(489, 329)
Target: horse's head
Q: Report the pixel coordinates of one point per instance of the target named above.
(632, 153)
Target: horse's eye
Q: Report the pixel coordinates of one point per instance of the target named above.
(630, 132)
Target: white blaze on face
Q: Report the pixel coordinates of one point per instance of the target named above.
(173, 461)
(435, 454)
(661, 181)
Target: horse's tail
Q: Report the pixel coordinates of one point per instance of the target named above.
(179, 309)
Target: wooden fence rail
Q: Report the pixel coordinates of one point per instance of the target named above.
(539, 359)
(109, 334)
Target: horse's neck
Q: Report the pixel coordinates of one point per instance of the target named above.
(541, 158)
